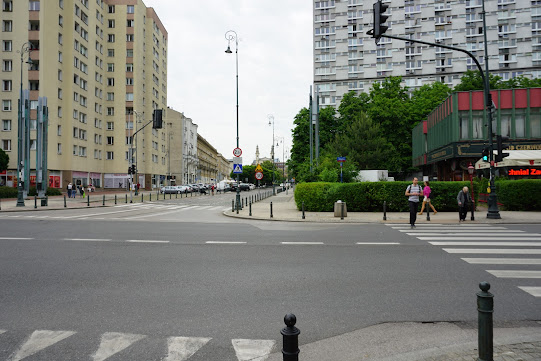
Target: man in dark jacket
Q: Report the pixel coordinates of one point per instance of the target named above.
(464, 201)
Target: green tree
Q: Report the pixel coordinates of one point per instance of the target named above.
(427, 98)
(472, 80)
(4, 160)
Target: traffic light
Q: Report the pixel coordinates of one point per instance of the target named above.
(501, 147)
(379, 19)
(486, 152)
(157, 119)
(129, 170)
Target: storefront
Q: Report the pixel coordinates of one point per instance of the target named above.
(79, 178)
(520, 164)
(116, 180)
(95, 179)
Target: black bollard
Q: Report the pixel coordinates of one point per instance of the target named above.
(150, 197)
(170, 196)
(88, 200)
(428, 211)
(485, 309)
(142, 199)
(250, 209)
(176, 195)
(64, 202)
(232, 206)
(271, 209)
(46, 200)
(384, 210)
(164, 195)
(303, 217)
(242, 202)
(115, 199)
(102, 203)
(35, 200)
(342, 211)
(126, 197)
(290, 347)
(473, 209)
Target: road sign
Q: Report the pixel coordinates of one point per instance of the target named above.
(237, 152)
(258, 175)
(237, 168)
(341, 159)
(258, 168)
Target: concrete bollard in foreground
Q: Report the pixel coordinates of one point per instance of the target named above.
(290, 347)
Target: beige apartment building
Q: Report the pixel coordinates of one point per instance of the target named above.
(102, 64)
(224, 168)
(208, 161)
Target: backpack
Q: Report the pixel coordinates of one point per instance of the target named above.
(420, 189)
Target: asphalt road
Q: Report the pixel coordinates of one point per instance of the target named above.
(144, 275)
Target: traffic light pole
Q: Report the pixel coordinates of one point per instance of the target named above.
(493, 211)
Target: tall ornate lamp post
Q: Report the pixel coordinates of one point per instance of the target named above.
(271, 121)
(281, 140)
(470, 171)
(21, 131)
(230, 36)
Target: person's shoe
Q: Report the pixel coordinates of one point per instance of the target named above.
(435, 212)
(412, 227)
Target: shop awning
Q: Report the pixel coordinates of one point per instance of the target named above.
(516, 158)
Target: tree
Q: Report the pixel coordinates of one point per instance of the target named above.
(427, 98)
(4, 160)
(471, 80)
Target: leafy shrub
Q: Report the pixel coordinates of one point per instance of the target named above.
(520, 195)
(8, 192)
(369, 196)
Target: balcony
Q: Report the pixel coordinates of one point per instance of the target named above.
(33, 35)
(33, 75)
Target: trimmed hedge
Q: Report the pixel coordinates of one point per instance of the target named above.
(11, 192)
(520, 195)
(369, 196)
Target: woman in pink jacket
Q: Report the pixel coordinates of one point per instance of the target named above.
(426, 193)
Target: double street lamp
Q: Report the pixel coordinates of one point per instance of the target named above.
(230, 36)
(21, 131)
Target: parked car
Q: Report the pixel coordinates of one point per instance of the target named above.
(244, 187)
(252, 186)
(182, 189)
(169, 190)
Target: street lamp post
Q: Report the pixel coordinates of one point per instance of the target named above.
(282, 141)
(271, 120)
(470, 171)
(229, 36)
(21, 130)
(138, 116)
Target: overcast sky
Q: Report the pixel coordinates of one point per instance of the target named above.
(275, 68)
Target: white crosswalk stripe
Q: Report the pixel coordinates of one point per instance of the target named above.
(501, 242)
(115, 344)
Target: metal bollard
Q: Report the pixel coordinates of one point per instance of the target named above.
(232, 206)
(191, 194)
(46, 200)
(473, 209)
(88, 200)
(164, 195)
(142, 199)
(342, 211)
(290, 347)
(428, 211)
(64, 202)
(150, 197)
(103, 203)
(384, 210)
(271, 209)
(485, 309)
(35, 200)
(115, 199)
(176, 195)
(303, 217)
(250, 209)
(126, 198)
(242, 202)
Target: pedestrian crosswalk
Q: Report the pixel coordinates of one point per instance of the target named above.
(504, 253)
(45, 344)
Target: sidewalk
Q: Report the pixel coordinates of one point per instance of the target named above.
(96, 200)
(285, 209)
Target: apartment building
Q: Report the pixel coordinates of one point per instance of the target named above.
(208, 161)
(347, 59)
(102, 64)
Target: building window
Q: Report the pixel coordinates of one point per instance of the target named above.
(111, 38)
(111, 53)
(6, 125)
(6, 105)
(7, 26)
(129, 97)
(110, 81)
(129, 53)
(129, 68)
(111, 23)
(130, 9)
(129, 81)
(6, 45)
(59, 148)
(59, 56)
(111, 96)
(33, 5)
(110, 126)
(110, 111)
(111, 9)
(60, 20)
(110, 156)
(59, 74)
(60, 39)
(7, 6)
(6, 85)
(110, 67)
(130, 23)
(59, 130)
(6, 145)
(129, 38)
(7, 65)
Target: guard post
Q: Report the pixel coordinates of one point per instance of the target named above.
(290, 348)
(384, 210)
(485, 309)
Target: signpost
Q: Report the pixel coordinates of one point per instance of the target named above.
(258, 175)
(341, 160)
(237, 152)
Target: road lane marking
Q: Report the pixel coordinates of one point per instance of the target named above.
(156, 214)
(87, 239)
(2, 331)
(515, 274)
(256, 350)
(502, 244)
(445, 230)
(182, 348)
(302, 243)
(474, 235)
(114, 342)
(38, 341)
(534, 291)
(448, 226)
(477, 238)
(502, 260)
(98, 214)
(15, 238)
(146, 241)
(377, 243)
(493, 250)
(224, 242)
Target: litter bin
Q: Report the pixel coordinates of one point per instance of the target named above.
(338, 206)
(44, 202)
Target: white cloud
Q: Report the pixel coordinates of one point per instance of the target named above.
(275, 67)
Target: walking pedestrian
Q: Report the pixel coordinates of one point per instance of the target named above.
(82, 191)
(426, 193)
(413, 192)
(464, 202)
(70, 188)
